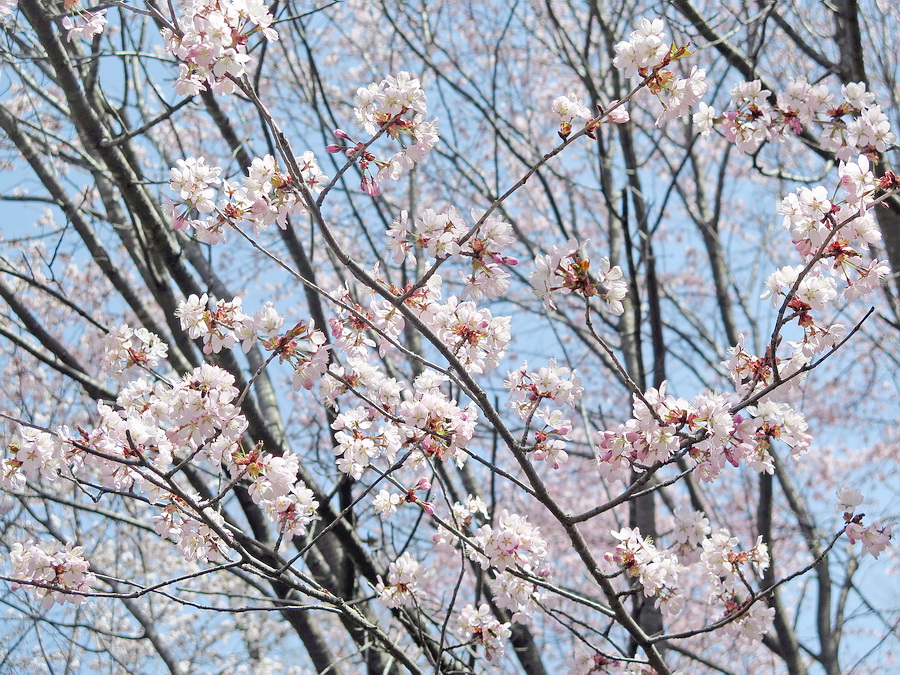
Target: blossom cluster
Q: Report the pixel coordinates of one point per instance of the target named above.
(266, 196)
(153, 425)
(287, 502)
(511, 542)
(35, 453)
(427, 422)
(657, 571)
(210, 40)
(443, 235)
(691, 527)
(727, 570)
(876, 537)
(402, 587)
(61, 568)
(527, 391)
(353, 324)
(397, 106)
(849, 124)
(386, 503)
(567, 270)
(436, 424)
(359, 441)
(728, 573)
(520, 596)
(474, 336)
(661, 423)
(80, 22)
(645, 48)
(647, 52)
(567, 108)
(128, 350)
(829, 234)
(192, 533)
(302, 346)
(462, 516)
(480, 626)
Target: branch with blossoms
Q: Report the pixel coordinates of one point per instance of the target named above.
(182, 447)
(647, 34)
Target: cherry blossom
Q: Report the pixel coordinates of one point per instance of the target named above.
(61, 568)
(213, 42)
(646, 47)
(480, 626)
(402, 589)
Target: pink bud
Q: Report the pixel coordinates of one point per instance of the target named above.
(504, 260)
(428, 506)
(370, 187)
(333, 148)
(423, 484)
(342, 134)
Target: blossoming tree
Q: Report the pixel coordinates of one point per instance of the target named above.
(447, 337)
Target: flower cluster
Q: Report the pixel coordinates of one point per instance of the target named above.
(829, 234)
(568, 270)
(397, 106)
(475, 337)
(516, 594)
(302, 346)
(434, 423)
(567, 108)
(441, 235)
(728, 573)
(780, 421)
(691, 527)
(659, 425)
(751, 626)
(220, 328)
(645, 48)
(61, 567)
(511, 542)
(657, 571)
(874, 538)
(482, 628)
(528, 389)
(359, 441)
(727, 567)
(135, 444)
(211, 42)
(127, 350)
(80, 22)
(151, 424)
(402, 588)
(386, 503)
(34, 453)
(354, 324)
(286, 501)
(462, 516)
(647, 52)
(191, 532)
(266, 196)
(678, 95)
(755, 116)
